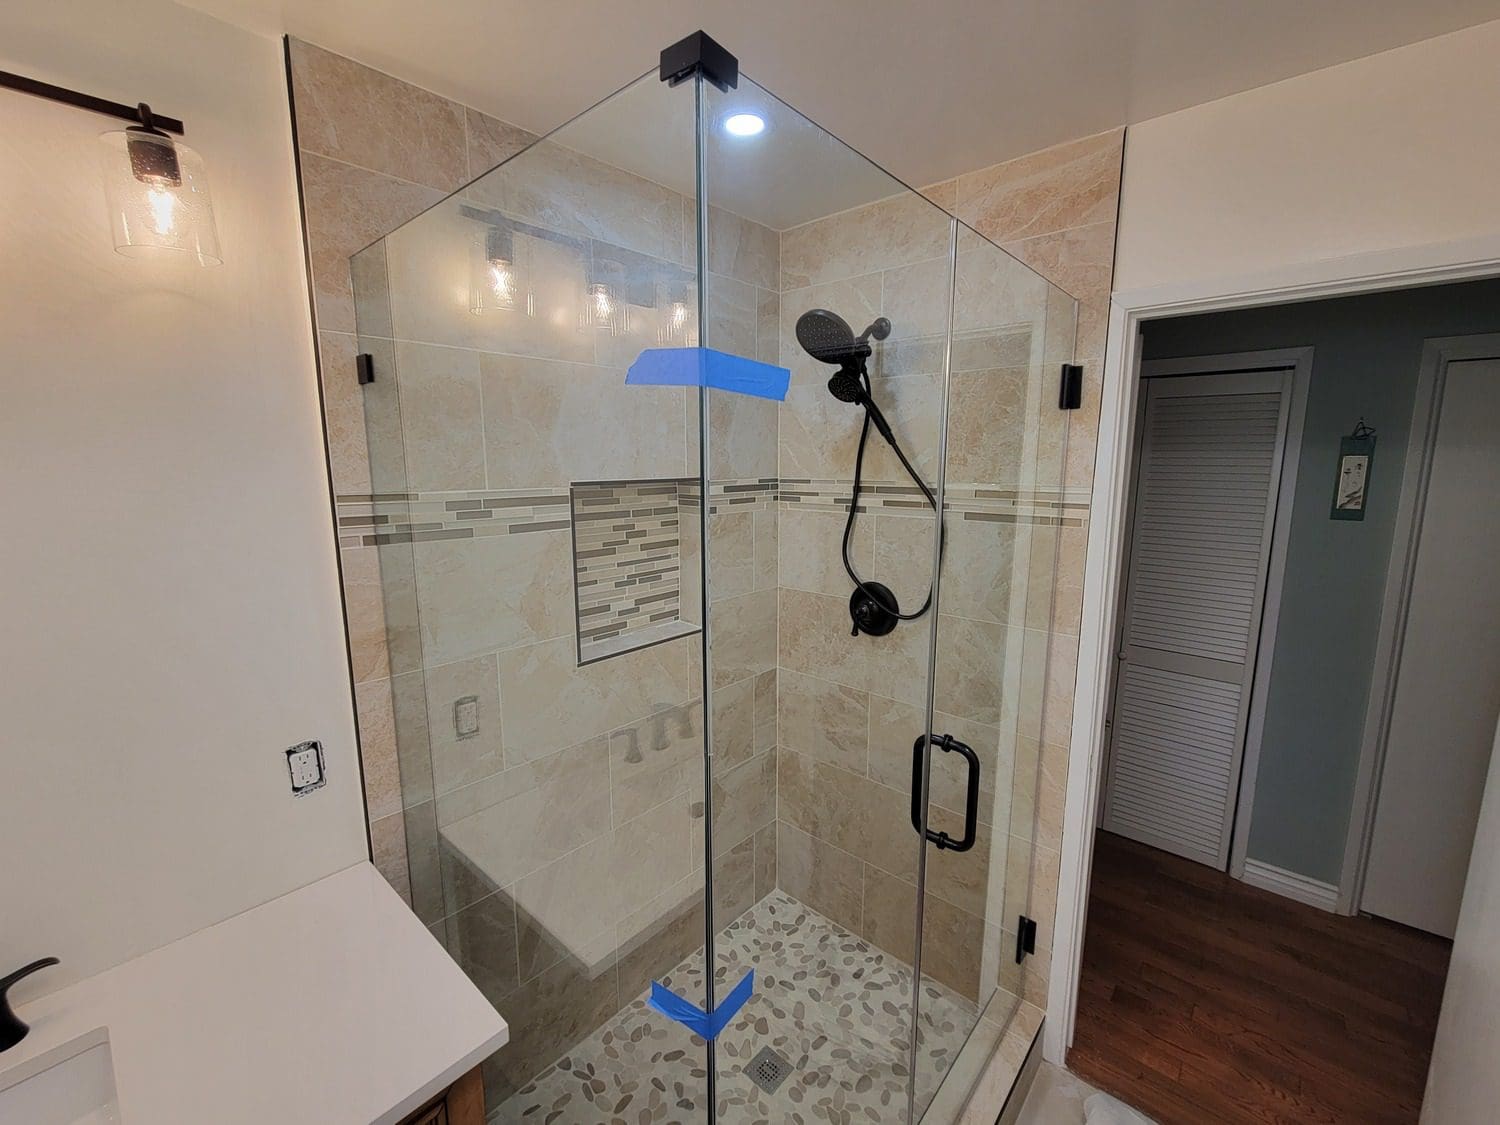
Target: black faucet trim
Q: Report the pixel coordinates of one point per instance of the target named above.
(12, 1030)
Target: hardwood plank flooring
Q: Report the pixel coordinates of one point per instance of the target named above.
(1204, 999)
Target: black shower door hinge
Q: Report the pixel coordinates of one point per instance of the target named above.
(1025, 938)
(364, 368)
(700, 54)
(1070, 391)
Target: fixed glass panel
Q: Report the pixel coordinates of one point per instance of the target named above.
(821, 262)
(538, 546)
(1003, 507)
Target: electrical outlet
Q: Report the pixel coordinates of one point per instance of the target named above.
(305, 763)
(466, 716)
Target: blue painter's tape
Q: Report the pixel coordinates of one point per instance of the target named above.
(705, 367)
(706, 1025)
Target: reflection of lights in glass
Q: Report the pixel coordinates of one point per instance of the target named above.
(744, 124)
(676, 324)
(499, 280)
(158, 196)
(604, 304)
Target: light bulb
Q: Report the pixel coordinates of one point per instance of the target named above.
(163, 206)
(744, 124)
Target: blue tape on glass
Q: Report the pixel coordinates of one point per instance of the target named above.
(706, 1025)
(704, 367)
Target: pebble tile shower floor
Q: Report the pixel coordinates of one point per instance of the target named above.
(833, 1005)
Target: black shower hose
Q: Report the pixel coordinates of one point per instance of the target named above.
(877, 596)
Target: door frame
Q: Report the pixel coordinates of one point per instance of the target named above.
(1298, 363)
(1433, 264)
(1421, 443)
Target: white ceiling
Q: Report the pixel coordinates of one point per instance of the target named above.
(927, 89)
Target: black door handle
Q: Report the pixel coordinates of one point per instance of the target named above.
(946, 742)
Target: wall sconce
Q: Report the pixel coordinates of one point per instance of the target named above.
(677, 319)
(604, 305)
(500, 273)
(155, 186)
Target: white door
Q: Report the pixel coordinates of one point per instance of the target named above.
(1205, 501)
(1447, 693)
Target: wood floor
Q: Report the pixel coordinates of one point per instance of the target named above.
(1206, 1000)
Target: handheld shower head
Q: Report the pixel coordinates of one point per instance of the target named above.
(846, 387)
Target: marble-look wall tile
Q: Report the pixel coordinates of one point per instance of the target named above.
(491, 141)
(766, 546)
(765, 733)
(1068, 185)
(482, 938)
(348, 208)
(826, 721)
(549, 423)
(560, 188)
(823, 877)
(742, 435)
(601, 697)
(388, 852)
(744, 636)
(492, 592)
(744, 800)
(765, 861)
(734, 724)
(731, 554)
(377, 748)
(811, 551)
(743, 249)
(441, 424)
(848, 811)
(1080, 261)
(364, 601)
(358, 115)
(343, 414)
(905, 228)
(952, 938)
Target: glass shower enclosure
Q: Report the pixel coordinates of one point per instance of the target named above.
(645, 747)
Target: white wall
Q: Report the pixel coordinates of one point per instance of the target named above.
(170, 617)
(1391, 151)
(1463, 1083)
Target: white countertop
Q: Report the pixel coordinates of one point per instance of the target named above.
(331, 1005)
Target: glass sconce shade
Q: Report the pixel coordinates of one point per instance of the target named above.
(500, 274)
(158, 196)
(676, 316)
(604, 306)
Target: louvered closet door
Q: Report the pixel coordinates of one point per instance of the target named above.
(1204, 506)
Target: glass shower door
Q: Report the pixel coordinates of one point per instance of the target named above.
(818, 260)
(1003, 507)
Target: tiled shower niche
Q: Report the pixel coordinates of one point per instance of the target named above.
(627, 563)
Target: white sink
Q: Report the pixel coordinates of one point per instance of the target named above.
(73, 1084)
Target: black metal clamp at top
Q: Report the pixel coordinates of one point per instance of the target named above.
(700, 54)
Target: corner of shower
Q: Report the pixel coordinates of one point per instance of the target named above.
(642, 755)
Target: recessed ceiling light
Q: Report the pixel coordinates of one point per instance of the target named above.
(744, 124)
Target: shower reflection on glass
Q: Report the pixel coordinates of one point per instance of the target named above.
(676, 764)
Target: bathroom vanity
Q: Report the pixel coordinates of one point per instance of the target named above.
(329, 1005)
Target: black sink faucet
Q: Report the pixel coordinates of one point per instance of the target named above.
(12, 1030)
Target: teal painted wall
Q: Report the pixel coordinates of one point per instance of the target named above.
(1367, 351)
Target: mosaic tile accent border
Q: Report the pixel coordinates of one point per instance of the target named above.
(1046, 507)
(368, 520)
(376, 519)
(627, 558)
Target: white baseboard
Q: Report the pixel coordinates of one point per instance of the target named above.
(1288, 884)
